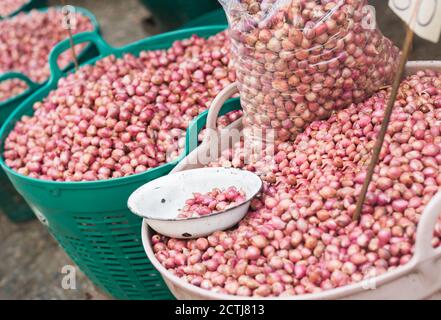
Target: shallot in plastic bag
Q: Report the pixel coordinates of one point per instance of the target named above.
(299, 60)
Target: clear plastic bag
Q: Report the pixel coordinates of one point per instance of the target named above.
(299, 60)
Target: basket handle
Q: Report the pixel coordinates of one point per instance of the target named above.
(103, 47)
(209, 117)
(424, 235)
(216, 105)
(17, 75)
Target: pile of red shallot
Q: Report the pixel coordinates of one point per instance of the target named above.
(216, 200)
(120, 116)
(298, 236)
(8, 7)
(11, 88)
(298, 61)
(27, 39)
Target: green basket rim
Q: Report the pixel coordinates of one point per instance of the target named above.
(30, 90)
(32, 86)
(10, 121)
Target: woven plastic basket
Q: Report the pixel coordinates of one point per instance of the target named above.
(11, 203)
(91, 220)
(418, 279)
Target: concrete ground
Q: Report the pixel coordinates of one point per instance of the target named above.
(31, 261)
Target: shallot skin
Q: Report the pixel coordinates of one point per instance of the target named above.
(28, 38)
(216, 200)
(298, 61)
(122, 116)
(11, 88)
(8, 7)
(298, 236)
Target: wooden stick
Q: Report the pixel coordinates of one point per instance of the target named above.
(69, 32)
(388, 112)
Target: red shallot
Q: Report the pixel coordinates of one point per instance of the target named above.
(120, 116)
(213, 201)
(298, 236)
(297, 61)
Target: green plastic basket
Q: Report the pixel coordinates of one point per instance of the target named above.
(91, 220)
(32, 4)
(88, 53)
(11, 203)
(172, 14)
(214, 17)
(8, 105)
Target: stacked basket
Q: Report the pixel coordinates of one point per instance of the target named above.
(101, 236)
(10, 201)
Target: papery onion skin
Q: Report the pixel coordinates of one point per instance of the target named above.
(122, 116)
(300, 238)
(298, 61)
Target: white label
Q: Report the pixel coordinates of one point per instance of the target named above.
(422, 16)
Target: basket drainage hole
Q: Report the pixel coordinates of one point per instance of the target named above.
(162, 200)
(186, 235)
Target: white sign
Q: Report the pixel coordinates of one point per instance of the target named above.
(422, 16)
(69, 17)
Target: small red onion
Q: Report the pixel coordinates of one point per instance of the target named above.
(300, 238)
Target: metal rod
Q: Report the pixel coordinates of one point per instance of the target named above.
(388, 112)
(69, 32)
